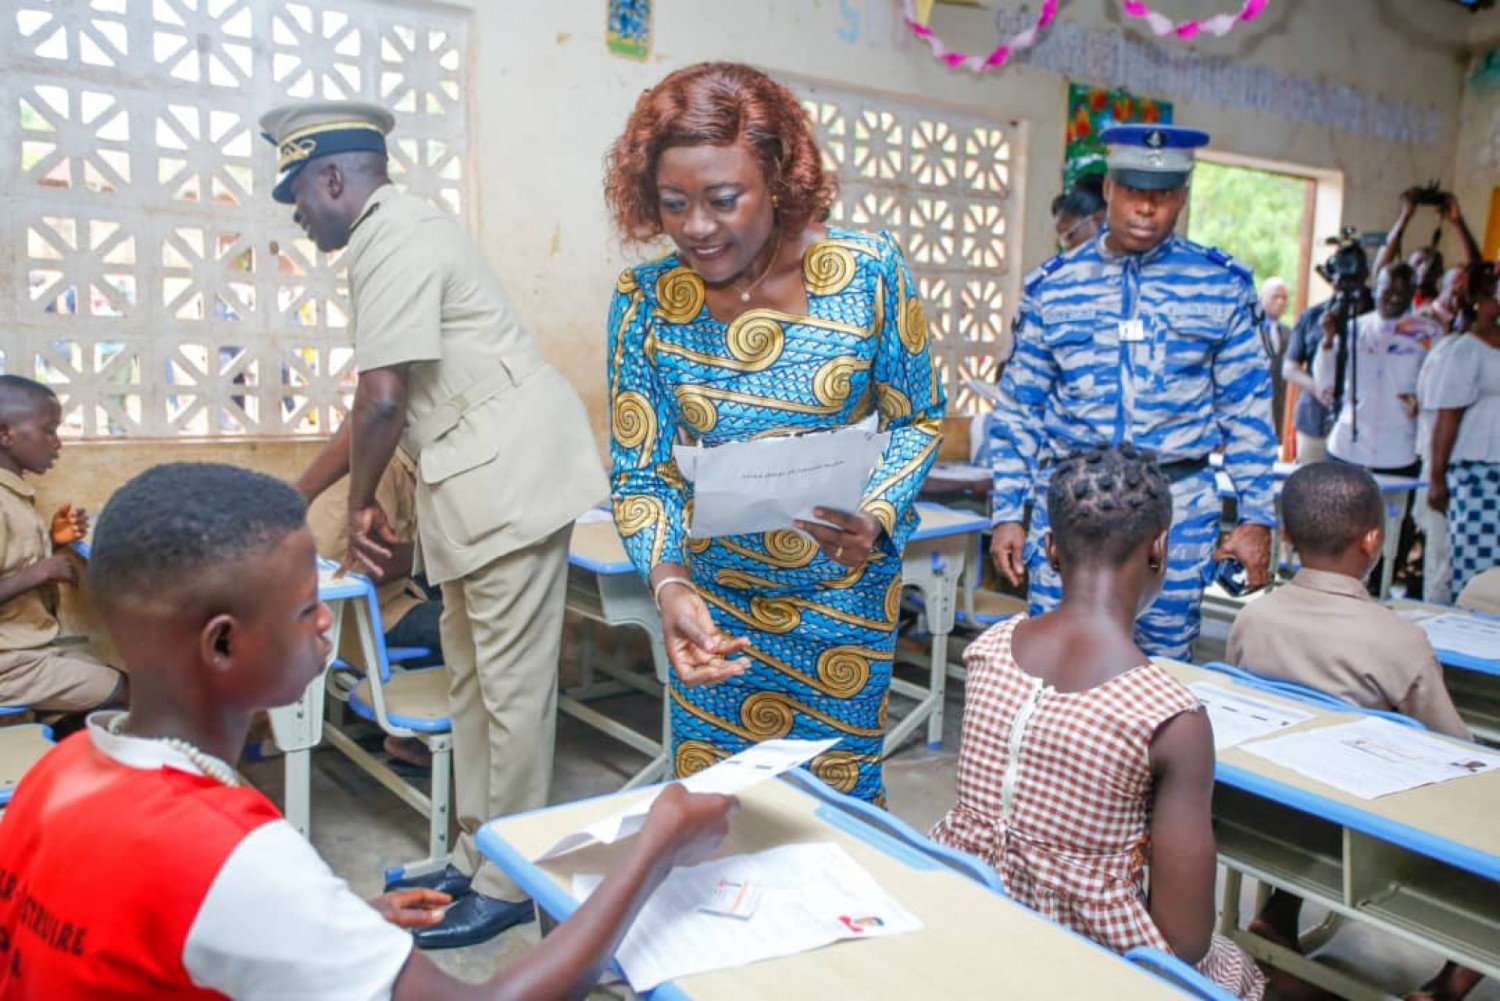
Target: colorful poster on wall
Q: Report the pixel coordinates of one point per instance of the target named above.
(627, 27)
(1091, 110)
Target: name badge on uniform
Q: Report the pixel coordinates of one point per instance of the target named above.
(1132, 331)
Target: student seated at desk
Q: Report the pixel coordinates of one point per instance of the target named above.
(1323, 630)
(34, 671)
(1082, 761)
(132, 862)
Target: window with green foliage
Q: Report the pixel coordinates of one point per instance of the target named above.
(1261, 217)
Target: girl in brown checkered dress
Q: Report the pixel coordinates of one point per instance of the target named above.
(1082, 762)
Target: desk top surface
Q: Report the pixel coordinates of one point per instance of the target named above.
(1454, 658)
(596, 545)
(1451, 821)
(954, 955)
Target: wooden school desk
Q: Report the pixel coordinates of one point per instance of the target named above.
(1422, 865)
(1473, 681)
(973, 943)
(603, 586)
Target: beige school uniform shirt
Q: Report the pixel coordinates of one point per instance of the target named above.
(28, 620)
(1323, 630)
(504, 453)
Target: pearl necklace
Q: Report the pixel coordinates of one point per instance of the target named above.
(206, 763)
(770, 264)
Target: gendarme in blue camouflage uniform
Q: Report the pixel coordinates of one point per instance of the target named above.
(1157, 347)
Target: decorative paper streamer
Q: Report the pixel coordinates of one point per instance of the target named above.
(1219, 24)
(978, 64)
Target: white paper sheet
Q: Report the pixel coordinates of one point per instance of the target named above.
(1460, 632)
(1237, 717)
(754, 764)
(766, 484)
(964, 471)
(1375, 757)
(811, 895)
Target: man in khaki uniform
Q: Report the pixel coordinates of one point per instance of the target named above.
(505, 462)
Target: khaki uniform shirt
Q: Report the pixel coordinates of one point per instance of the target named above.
(396, 495)
(505, 455)
(1323, 630)
(1482, 593)
(28, 620)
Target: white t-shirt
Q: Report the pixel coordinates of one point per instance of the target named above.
(1427, 381)
(1373, 428)
(1470, 378)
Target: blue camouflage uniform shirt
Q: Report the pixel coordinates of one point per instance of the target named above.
(1197, 379)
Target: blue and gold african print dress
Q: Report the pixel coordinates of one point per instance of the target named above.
(821, 635)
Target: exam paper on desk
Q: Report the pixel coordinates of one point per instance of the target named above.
(811, 895)
(1236, 718)
(1461, 632)
(1371, 758)
(753, 765)
(769, 483)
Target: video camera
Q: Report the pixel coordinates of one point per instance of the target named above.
(1428, 194)
(1347, 268)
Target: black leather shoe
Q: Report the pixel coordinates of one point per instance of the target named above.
(446, 880)
(473, 919)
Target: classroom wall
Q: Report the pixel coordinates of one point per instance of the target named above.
(549, 98)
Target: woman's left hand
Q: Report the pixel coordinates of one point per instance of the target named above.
(849, 539)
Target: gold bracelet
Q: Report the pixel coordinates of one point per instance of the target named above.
(656, 588)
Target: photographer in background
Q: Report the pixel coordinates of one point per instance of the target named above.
(1427, 261)
(1347, 270)
(1368, 373)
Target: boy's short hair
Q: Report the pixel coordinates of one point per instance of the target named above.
(1105, 502)
(19, 397)
(171, 523)
(1327, 506)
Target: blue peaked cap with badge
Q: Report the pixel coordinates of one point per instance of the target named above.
(305, 131)
(1151, 157)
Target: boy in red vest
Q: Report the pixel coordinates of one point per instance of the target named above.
(132, 862)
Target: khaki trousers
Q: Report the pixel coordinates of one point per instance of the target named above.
(502, 636)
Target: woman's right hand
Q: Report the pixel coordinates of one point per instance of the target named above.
(698, 651)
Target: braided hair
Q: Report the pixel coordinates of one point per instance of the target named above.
(1106, 501)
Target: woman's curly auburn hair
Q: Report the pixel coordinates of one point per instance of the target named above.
(717, 104)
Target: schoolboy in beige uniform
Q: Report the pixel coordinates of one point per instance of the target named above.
(33, 671)
(1323, 629)
(505, 456)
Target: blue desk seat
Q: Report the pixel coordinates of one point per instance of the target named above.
(1174, 971)
(402, 703)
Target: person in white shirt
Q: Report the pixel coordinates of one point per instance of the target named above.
(1376, 399)
(1465, 457)
(1377, 414)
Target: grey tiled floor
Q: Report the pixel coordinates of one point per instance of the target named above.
(362, 830)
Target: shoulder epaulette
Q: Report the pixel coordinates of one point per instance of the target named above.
(1046, 268)
(1226, 261)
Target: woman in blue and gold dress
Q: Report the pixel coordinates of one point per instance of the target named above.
(763, 322)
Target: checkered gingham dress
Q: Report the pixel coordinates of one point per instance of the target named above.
(1054, 791)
